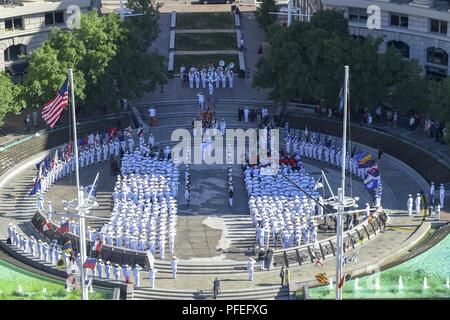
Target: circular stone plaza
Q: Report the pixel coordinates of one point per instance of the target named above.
(147, 203)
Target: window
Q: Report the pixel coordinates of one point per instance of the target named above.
(399, 21)
(438, 26)
(402, 47)
(357, 14)
(14, 53)
(12, 24)
(437, 56)
(52, 18)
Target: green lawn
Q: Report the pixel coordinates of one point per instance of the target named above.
(205, 60)
(201, 20)
(11, 277)
(205, 41)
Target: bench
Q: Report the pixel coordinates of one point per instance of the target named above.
(170, 64)
(173, 20)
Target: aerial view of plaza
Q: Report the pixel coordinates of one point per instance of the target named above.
(225, 150)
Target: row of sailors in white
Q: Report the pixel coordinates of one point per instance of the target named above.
(140, 164)
(315, 150)
(441, 193)
(98, 153)
(417, 203)
(219, 76)
(289, 218)
(277, 184)
(137, 187)
(50, 253)
(134, 229)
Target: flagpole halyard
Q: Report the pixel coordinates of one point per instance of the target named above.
(85, 294)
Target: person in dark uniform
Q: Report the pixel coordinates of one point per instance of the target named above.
(216, 287)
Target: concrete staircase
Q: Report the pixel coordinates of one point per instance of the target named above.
(259, 293)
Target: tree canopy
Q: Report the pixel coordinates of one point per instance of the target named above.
(110, 59)
(263, 16)
(307, 60)
(8, 97)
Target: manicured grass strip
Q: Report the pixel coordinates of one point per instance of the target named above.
(205, 60)
(205, 41)
(205, 20)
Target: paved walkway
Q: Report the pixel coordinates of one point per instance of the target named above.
(199, 52)
(205, 30)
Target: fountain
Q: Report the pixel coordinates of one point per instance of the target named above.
(447, 283)
(357, 287)
(330, 285)
(425, 283)
(377, 283)
(400, 283)
(44, 290)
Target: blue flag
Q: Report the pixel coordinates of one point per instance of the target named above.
(36, 187)
(87, 190)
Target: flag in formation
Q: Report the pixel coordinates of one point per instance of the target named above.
(36, 187)
(318, 184)
(322, 278)
(61, 264)
(98, 246)
(90, 263)
(67, 247)
(47, 225)
(63, 228)
(344, 278)
(90, 189)
(372, 178)
(53, 109)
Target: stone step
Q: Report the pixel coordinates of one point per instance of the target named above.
(264, 293)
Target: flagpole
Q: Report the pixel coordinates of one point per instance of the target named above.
(85, 294)
(341, 194)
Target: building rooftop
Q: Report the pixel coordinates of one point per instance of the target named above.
(439, 9)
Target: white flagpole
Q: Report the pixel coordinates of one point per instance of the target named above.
(85, 294)
(341, 194)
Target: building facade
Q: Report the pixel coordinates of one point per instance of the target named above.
(419, 29)
(26, 24)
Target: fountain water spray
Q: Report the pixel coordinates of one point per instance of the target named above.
(400, 283)
(377, 283)
(447, 283)
(425, 283)
(19, 289)
(357, 287)
(330, 285)
(44, 290)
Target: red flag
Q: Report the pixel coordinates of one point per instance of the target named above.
(68, 151)
(112, 132)
(98, 246)
(47, 225)
(318, 262)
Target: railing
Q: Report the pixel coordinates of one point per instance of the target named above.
(326, 248)
(113, 254)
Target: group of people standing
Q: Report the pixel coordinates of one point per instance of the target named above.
(207, 77)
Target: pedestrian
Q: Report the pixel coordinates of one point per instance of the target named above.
(282, 275)
(174, 266)
(216, 288)
(28, 122)
(35, 120)
(380, 152)
(152, 276)
(230, 199)
(260, 50)
(395, 119)
(242, 44)
(410, 203)
(250, 268)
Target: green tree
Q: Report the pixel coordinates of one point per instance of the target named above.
(263, 16)
(9, 101)
(439, 107)
(331, 21)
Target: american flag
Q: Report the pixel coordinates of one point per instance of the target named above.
(53, 109)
